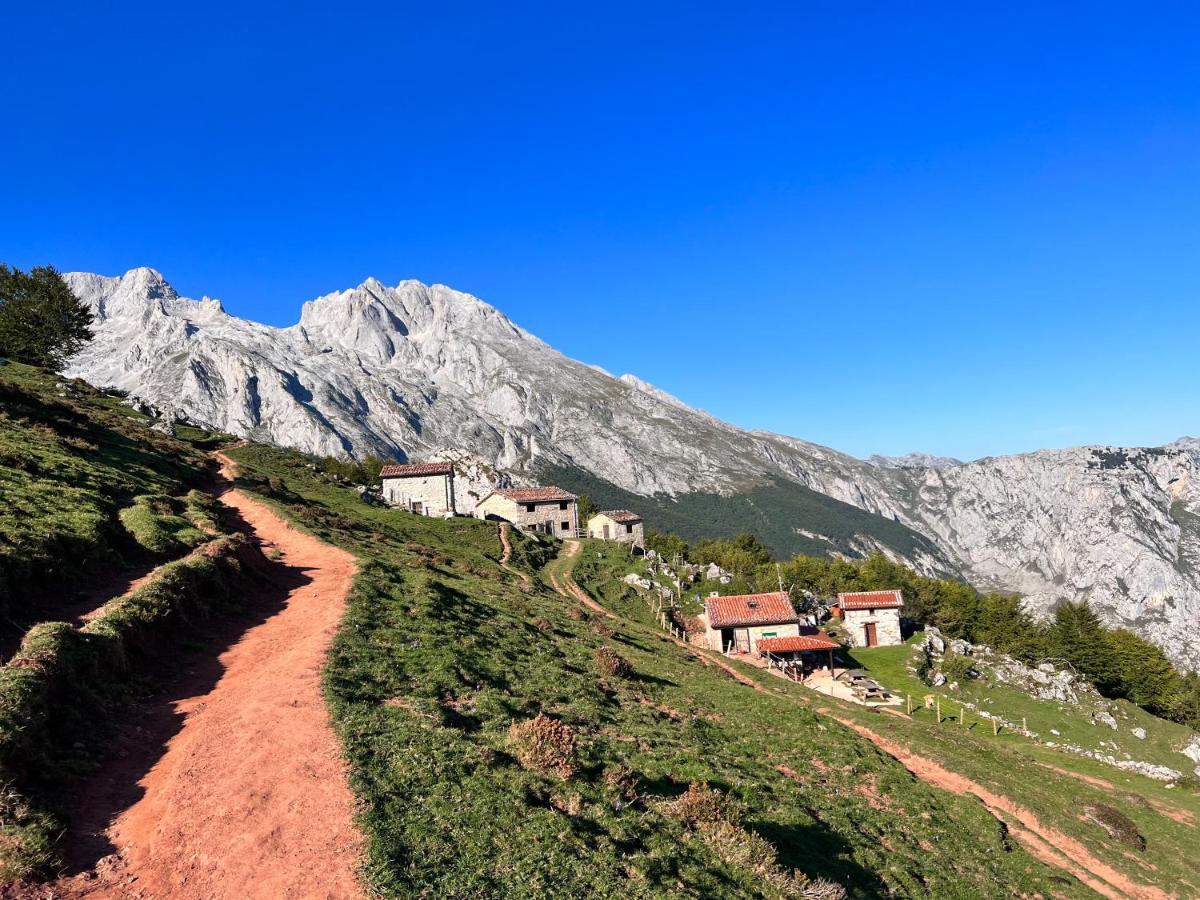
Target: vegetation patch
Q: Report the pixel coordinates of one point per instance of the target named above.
(1118, 825)
(543, 745)
(158, 524)
(612, 663)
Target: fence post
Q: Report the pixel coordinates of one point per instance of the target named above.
(939, 710)
(995, 728)
(1024, 727)
(908, 698)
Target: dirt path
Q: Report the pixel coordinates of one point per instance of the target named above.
(506, 555)
(1046, 844)
(249, 797)
(567, 586)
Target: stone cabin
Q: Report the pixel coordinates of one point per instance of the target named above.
(872, 618)
(550, 510)
(426, 489)
(617, 525)
(742, 621)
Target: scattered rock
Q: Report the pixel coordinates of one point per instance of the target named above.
(1139, 733)
(1104, 717)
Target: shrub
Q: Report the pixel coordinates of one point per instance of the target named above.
(957, 667)
(543, 745)
(610, 662)
(602, 629)
(699, 805)
(1118, 825)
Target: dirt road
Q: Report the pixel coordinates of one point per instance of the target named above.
(249, 798)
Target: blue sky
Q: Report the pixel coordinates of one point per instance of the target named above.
(963, 229)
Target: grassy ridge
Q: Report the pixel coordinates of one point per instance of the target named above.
(71, 458)
(773, 511)
(442, 653)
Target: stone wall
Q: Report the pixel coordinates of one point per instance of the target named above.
(617, 531)
(546, 516)
(433, 493)
(748, 637)
(887, 626)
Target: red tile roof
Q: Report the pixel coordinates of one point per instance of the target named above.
(414, 470)
(535, 495)
(871, 600)
(797, 644)
(621, 515)
(750, 609)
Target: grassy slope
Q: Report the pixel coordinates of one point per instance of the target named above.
(1161, 744)
(1009, 764)
(772, 511)
(70, 460)
(441, 651)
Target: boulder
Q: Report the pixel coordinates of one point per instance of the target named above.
(1192, 750)
(961, 647)
(1139, 733)
(1103, 717)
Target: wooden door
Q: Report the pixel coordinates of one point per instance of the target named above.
(606, 534)
(872, 637)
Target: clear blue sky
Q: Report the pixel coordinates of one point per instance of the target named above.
(969, 229)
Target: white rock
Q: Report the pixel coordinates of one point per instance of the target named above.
(1139, 733)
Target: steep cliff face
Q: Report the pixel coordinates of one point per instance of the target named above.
(408, 370)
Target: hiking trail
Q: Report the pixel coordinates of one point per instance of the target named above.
(242, 790)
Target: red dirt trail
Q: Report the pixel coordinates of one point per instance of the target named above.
(506, 555)
(249, 799)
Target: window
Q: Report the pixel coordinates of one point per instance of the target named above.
(566, 526)
(563, 505)
(629, 528)
(530, 507)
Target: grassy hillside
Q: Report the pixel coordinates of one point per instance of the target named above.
(443, 663)
(1060, 788)
(71, 459)
(777, 512)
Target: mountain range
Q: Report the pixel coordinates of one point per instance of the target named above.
(414, 370)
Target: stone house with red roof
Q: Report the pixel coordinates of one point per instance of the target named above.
(872, 618)
(550, 510)
(619, 525)
(426, 489)
(741, 622)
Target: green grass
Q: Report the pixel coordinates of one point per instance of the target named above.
(158, 524)
(71, 458)
(1163, 741)
(1042, 779)
(441, 652)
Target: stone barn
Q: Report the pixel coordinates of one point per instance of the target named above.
(550, 510)
(740, 622)
(426, 489)
(872, 618)
(617, 525)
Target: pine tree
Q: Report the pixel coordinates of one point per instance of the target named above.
(42, 322)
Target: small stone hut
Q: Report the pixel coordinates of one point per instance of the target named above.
(738, 623)
(872, 618)
(619, 525)
(550, 510)
(426, 489)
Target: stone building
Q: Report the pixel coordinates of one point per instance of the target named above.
(426, 489)
(872, 618)
(740, 622)
(550, 510)
(617, 525)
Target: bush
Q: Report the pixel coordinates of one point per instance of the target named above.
(957, 667)
(699, 805)
(543, 745)
(1118, 825)
(610, 662)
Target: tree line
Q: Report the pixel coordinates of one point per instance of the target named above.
(1118, 662)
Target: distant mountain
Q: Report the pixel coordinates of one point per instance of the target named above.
(409, 370)
(914, 461)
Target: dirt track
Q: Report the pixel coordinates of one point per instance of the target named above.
(249, 797)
